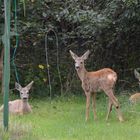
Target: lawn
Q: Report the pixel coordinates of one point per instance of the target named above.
(64, 119)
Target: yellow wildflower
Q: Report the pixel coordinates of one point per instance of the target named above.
(44, 79)
(41, 67)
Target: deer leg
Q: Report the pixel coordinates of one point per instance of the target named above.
(112, 97)
(87, 105)
(94, 105)
(119, 114)
(115, 103)
(109, 108)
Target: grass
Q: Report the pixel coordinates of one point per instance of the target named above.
(64, 119)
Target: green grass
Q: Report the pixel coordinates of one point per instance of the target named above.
(64, 119)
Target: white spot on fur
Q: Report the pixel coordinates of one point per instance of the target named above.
(111, 77)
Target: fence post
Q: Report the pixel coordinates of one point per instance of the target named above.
(6, 76)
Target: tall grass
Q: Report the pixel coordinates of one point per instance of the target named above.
(64, 119)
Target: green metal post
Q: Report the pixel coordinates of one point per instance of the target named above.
(6, 76)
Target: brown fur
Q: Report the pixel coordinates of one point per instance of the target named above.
(135, 98)
(18, 107)
(92, 82)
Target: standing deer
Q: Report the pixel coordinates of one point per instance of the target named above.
(95, 81)
(20, 106)
(135, 97)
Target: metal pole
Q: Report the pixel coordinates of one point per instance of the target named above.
(6, 76)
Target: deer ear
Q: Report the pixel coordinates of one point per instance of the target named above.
(29, 85)
(137, 74)
(74, 56)
(86, 54)
(18, 86)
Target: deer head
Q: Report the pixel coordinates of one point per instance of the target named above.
(137, 75)
(24, 91)
(79, 61)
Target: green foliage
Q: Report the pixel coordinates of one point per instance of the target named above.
(109, 28)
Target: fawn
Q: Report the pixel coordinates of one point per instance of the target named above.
(20, 106)
(95, 81)
(135, 97)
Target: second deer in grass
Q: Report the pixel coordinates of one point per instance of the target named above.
(95, 81)
(20, 106)
(135, 97)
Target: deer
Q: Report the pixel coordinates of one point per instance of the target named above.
(135, 97)
(94, 81)
(20, 106)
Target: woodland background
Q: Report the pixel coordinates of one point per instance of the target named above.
(110, 29)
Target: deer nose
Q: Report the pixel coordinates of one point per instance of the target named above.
(24, 98)
(77, 67)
